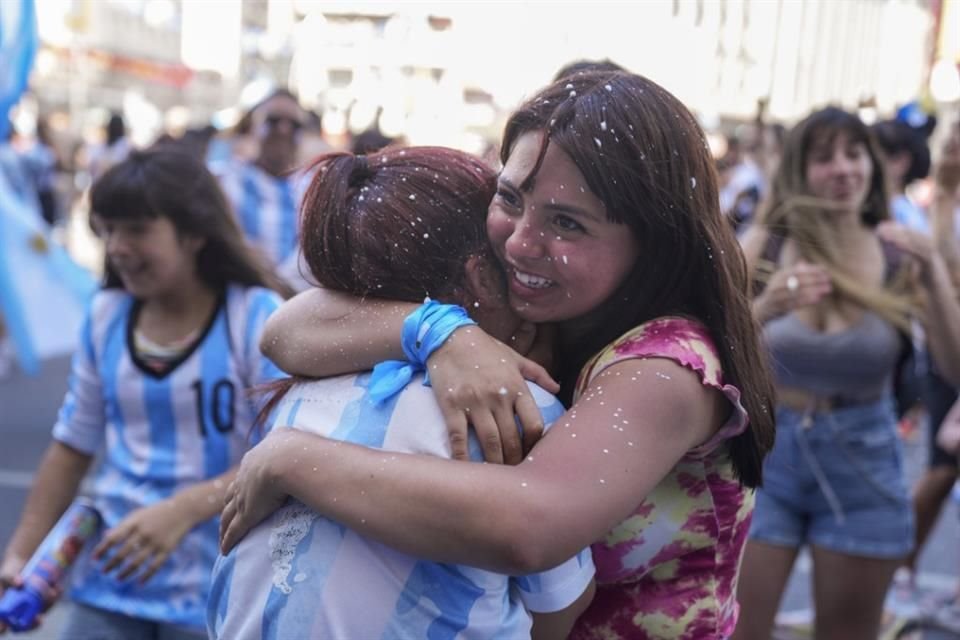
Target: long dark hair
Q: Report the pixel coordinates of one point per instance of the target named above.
(792, 211)
(167, 182)
(398, 224)
(644, 155)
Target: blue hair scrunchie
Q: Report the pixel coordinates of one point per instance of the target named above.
(424, 331)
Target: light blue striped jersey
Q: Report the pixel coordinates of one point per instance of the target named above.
(267, 207)
(299, 575)
(158, 434)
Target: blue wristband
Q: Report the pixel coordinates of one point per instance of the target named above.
(424, 331)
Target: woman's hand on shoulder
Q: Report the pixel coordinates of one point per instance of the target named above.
(480, 381)
(790, 288)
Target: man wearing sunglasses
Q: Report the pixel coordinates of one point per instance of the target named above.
(266, 192)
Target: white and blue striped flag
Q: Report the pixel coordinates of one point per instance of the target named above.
(43, 293)
(18, 46)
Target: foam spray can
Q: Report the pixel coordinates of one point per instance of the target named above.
(49, 565)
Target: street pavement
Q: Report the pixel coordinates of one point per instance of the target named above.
(28, 408)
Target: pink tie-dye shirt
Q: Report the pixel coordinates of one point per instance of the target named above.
(670, 569)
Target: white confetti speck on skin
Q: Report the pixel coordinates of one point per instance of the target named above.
(603, 125)
(597, 140)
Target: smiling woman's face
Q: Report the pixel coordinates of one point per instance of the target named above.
(562, 256)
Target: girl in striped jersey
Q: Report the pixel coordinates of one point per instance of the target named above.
(400, 224)
(157, 393)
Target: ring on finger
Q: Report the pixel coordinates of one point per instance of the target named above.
(793, 283)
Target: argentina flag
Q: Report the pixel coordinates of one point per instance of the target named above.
(18, 46)
(43, 293)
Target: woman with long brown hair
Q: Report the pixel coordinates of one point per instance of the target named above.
(838, 287)
(606, 220)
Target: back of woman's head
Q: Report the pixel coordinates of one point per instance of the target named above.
(169, 183)
(819, 128)
(642, 153)
(896, 137)
(398, 224)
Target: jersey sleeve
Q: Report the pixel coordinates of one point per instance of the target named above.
(558, 588)
(81, 420)
(261, 303)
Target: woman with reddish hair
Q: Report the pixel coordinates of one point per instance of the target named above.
(401, 224)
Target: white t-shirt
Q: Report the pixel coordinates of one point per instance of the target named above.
(298, 575)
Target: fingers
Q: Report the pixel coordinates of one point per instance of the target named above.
(489, 435)
(232, 535)
(532, 371)
(457, 426)
(154, 566)
(226, 518)
(509, 434)
(139, 556)
(129, 548)
(110, 539)
(531, 420)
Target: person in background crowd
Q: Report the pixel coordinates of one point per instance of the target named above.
(838, 288)
(116, 146)
(933, 487)
(906, 159)
(266, 192)
(742, 183)
(606, 220)
(42, 163)
(159, 390)
(360, 237)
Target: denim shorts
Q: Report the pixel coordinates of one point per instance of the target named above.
(835, 480)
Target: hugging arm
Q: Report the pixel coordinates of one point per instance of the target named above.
(322, 332)
(581, 479)
(478, 380)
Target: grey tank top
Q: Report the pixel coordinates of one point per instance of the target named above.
(858, 362)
